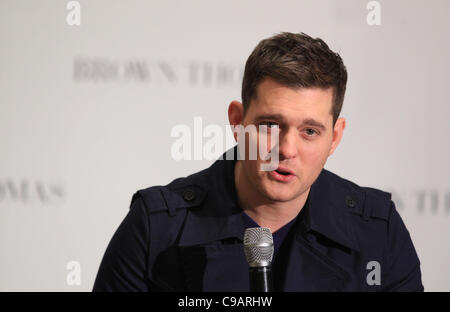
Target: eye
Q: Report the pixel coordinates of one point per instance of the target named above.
(269, 124)
(311, 132)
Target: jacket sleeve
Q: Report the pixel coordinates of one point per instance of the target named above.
(124, 264)
(403, 271)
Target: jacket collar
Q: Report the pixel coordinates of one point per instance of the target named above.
(220, 216)
(328, 212)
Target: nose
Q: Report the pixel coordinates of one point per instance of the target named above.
(288, 144)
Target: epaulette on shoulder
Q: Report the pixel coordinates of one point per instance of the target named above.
(171, 197)
(367, 202)
(377, 203)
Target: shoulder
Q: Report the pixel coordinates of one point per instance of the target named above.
(365, 201)
(371, 215)
(166, 208)
(180, 194)
(379, 231)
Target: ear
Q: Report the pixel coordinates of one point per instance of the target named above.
(338, 132)
(235, 115)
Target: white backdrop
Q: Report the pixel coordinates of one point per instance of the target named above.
(86, 114)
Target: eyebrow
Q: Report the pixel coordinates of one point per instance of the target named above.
(280, 118)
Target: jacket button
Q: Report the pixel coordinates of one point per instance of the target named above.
(350, 201)
(189, 195)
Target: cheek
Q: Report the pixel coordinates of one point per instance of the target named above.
(251, 169)
(313, 154)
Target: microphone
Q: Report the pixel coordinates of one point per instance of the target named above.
(258, 249)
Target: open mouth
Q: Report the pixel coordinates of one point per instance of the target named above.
(285, 173)
(282, 174)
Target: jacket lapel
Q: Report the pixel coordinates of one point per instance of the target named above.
(307, 264)
(212, 253)
(305, 268)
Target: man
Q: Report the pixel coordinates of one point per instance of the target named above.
(329, 233)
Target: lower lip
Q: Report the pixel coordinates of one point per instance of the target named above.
(282, 178)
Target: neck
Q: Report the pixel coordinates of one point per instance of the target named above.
(264, 211)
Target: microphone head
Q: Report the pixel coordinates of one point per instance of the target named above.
(258, 246)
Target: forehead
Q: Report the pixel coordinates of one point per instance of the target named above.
(293, 104)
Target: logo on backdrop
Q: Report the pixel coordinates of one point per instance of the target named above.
(159, 72)
(422, 201)
(30, 191)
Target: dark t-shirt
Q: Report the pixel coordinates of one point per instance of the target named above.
(281, 239)
(279, 235)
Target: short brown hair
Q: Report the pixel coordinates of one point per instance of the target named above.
(297, 61)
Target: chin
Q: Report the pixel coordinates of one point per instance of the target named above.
(280, 195)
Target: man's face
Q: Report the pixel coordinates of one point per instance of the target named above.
(306, 137)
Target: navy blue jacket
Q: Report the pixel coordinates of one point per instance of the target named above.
(187, 236)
